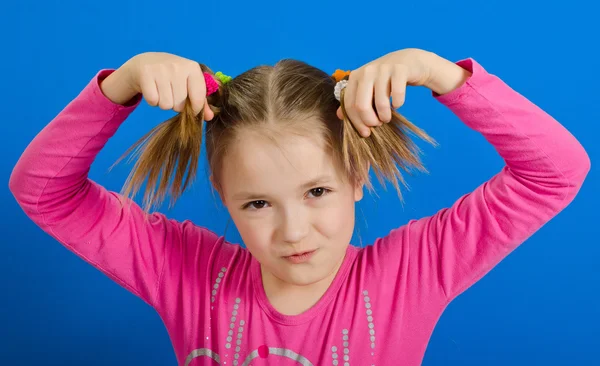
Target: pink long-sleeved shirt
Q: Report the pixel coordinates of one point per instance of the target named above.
(386, 298)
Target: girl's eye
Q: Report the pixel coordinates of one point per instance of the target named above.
(260, 204)
(255, 205)
(319, 192)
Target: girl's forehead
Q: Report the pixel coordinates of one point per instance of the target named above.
(285, 153)
(286, 161)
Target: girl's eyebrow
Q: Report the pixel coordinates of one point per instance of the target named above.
(245, 195)
(316, 181)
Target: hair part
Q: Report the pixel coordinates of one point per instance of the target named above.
(268, 97)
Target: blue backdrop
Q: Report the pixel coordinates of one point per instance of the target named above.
(539, 306)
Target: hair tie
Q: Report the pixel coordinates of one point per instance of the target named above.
(339, 86)
(341, 78)
(340, 75)
(224, 79)
(211, 84)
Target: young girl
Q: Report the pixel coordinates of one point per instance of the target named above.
(289, 149)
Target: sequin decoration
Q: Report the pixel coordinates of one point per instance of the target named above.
(369, 311)
(264, 352)
(346, 344)
(236, 356)
(334, 356)
(234, 314)
(217, 283)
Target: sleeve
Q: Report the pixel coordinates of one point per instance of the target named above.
(50, 182)
(545, 166)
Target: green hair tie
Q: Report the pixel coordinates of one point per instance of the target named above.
(224, 79)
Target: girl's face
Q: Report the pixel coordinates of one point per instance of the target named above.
(287, 200)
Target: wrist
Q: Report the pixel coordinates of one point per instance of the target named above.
(117, 87)
(445, 76)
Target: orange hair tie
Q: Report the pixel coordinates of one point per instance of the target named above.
(339, 75)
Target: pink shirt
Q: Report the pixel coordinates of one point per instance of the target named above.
(382, 306)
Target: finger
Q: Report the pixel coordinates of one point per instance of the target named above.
(180, 92)
(149, 90)
(350, 108)
(364, 99)
(165, 94)
(398, 92)
(382, 96)
(208, 113)
(197, 90)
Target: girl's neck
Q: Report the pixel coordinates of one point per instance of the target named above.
(289, 299)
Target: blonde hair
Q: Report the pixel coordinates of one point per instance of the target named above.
(268, 96)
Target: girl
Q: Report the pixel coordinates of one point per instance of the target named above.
(289, 160)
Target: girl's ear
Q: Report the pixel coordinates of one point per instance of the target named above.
(358, 192)
(359, 187)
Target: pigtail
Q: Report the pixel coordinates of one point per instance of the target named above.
(388, 150)
(166, 153)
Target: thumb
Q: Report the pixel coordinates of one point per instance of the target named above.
(208, 113)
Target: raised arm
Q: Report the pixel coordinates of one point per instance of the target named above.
(51, 184)
(442, 255)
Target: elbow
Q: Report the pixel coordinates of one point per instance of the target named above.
(15, 182)
(587, 166)
(582, 165)
(576, 174)
(567, 177)
(19, 189)
(21, 186)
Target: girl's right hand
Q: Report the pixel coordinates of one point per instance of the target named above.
(165, 80)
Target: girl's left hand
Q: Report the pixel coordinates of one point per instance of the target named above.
(374, 83)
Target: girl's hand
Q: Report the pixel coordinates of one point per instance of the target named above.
(165, 80)
(369, 88)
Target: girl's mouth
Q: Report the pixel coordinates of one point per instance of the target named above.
(302, 257)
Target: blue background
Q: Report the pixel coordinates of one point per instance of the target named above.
(539, 306)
